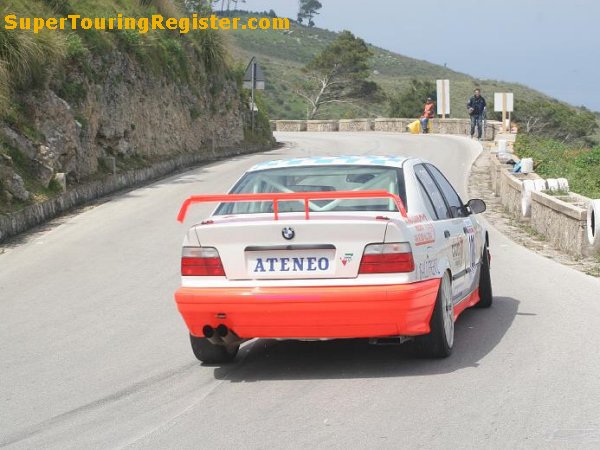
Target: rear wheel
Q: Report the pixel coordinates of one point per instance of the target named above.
(485, 282)
(438, 343)
(210, 353)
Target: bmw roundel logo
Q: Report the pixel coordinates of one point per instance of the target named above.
(288, 233)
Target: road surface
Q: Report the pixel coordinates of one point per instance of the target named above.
(93, 352)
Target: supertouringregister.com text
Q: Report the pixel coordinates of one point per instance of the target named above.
(142, 25)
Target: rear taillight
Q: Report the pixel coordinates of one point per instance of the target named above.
(201, 262)
(387, 258)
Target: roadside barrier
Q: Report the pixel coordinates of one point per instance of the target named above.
(530, 186)
(593, 224)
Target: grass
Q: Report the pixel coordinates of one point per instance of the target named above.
(282, 56)
(553, 159)
(24, 167)
(71, 60)
(27, 60)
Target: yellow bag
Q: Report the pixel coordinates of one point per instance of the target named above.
(414, 127)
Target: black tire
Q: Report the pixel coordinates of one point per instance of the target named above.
(437, 344)
(210, 353)
(485, 282)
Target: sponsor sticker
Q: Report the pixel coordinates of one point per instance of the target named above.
(458, 252)
(411, 220)
(425, 234)
(472, 245)
(308, 264)
(347, 258)
(428, 269)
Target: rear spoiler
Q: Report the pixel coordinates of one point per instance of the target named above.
(277, 197)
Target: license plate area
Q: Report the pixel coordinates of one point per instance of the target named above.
(290, 264)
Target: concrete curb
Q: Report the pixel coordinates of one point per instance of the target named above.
(15, 223)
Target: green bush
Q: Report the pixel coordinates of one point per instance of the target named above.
(553, 159)
(411, 101)
(556, 120)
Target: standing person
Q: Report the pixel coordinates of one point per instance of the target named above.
(476, 107)
(428, 113)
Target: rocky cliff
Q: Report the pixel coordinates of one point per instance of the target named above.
(125, 113)
(83, 105)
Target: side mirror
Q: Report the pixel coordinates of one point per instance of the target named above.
(476, 206)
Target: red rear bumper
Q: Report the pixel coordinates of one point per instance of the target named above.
(311, 312)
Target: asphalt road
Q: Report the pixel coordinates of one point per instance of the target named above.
(93, 353)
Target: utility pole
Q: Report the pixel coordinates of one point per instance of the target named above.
(253, 86)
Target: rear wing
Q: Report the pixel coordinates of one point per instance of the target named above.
(277, 197)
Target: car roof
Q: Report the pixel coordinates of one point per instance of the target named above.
(358, 160)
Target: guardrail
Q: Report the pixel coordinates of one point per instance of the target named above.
(390, 125)
(566, 219)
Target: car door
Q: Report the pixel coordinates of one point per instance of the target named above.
(450, 228)
(465, 241)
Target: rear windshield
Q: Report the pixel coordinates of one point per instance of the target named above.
(319, 179)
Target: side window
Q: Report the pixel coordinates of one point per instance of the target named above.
(432, 192)
(427, 202)
(454, 202)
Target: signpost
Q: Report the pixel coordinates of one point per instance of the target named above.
(254, 79)
(443, 97)
(504, 101)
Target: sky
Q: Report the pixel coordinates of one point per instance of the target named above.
(550, 45)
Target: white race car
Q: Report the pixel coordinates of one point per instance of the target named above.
(330, 248)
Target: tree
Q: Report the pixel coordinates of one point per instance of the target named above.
(308, 10)
(235, 4)
(552, 119)
(409, 103)
(338, 75)
(200, 6)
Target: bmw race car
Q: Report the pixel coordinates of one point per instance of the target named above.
(330, 248)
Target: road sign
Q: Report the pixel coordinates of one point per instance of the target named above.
(443, 97)
(254, 76)
(254, 79)
(503, 101)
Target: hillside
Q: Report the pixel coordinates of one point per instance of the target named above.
(283, 54)
(76, 103)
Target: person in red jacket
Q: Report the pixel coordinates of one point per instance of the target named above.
(428, 113)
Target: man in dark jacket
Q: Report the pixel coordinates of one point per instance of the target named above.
(476, 108)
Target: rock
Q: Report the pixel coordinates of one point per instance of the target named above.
(8, 197)
(55, 120)
(6, 160)
(61, 179)
(47, 156)
(44, 172)
(13, 183)
(15, 140)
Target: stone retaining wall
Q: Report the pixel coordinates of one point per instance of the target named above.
(356, 125)
(563, 223)
(391, 125)
(510, 193)
(288, 125)
(561, 220)
(321, 125)
(31, 216)
(395, 125)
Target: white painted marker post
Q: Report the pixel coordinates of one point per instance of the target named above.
(443, 97)
(504, 101)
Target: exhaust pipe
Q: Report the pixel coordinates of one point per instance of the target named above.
(210, 334)
(208, 331)
(227, 336)
(221, 335)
